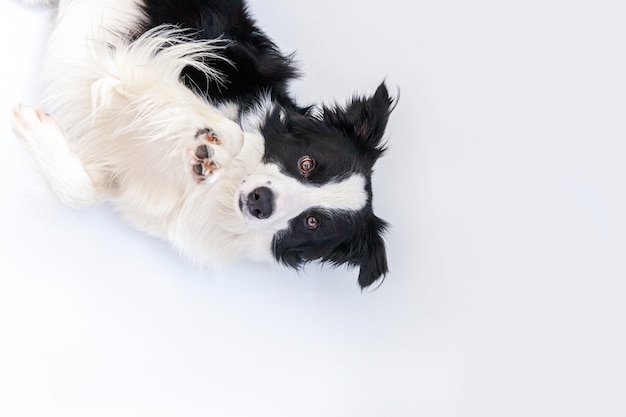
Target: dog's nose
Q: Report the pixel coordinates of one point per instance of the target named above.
(261, 202)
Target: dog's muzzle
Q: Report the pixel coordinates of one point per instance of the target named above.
(259, 203)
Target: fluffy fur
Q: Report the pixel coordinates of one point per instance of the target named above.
(293, 186)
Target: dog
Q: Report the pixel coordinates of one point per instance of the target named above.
(178, 112)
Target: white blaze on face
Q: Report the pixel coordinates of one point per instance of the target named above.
(292, 197)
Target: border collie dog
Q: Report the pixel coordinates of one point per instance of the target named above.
(178, 112)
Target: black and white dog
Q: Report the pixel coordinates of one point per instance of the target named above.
(229, 167)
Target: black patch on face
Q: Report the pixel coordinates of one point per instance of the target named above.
(352, 238)
(290, 138)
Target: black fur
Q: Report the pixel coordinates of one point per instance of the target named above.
(342, 140)
(255, 66)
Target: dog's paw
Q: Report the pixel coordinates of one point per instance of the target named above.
(212, 151)
(30, 123)
(203, 163)
(61, 166)
(24, 119)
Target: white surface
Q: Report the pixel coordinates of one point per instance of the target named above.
(504, 184)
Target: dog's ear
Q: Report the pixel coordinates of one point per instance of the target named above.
(364, 249)
(364, 120)
(372, 257)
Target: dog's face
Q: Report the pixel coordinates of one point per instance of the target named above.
(312, 190)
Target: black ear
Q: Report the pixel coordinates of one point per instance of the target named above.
(364, 119)
(373, 258)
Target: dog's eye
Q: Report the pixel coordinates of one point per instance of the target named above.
(306, 164)
(312, 222)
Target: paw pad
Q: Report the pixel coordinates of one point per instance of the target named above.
(203, 163)
(208, 135)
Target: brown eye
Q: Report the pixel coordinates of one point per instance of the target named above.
(312, 222)
(306, 164)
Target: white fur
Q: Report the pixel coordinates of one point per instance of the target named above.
(40, 2)
(126, 131)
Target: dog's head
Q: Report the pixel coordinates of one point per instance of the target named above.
(313, 188)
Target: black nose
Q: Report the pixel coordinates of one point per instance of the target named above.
(261, 202)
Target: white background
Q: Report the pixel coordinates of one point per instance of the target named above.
(504, 185)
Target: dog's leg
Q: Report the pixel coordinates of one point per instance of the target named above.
(60, 165)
